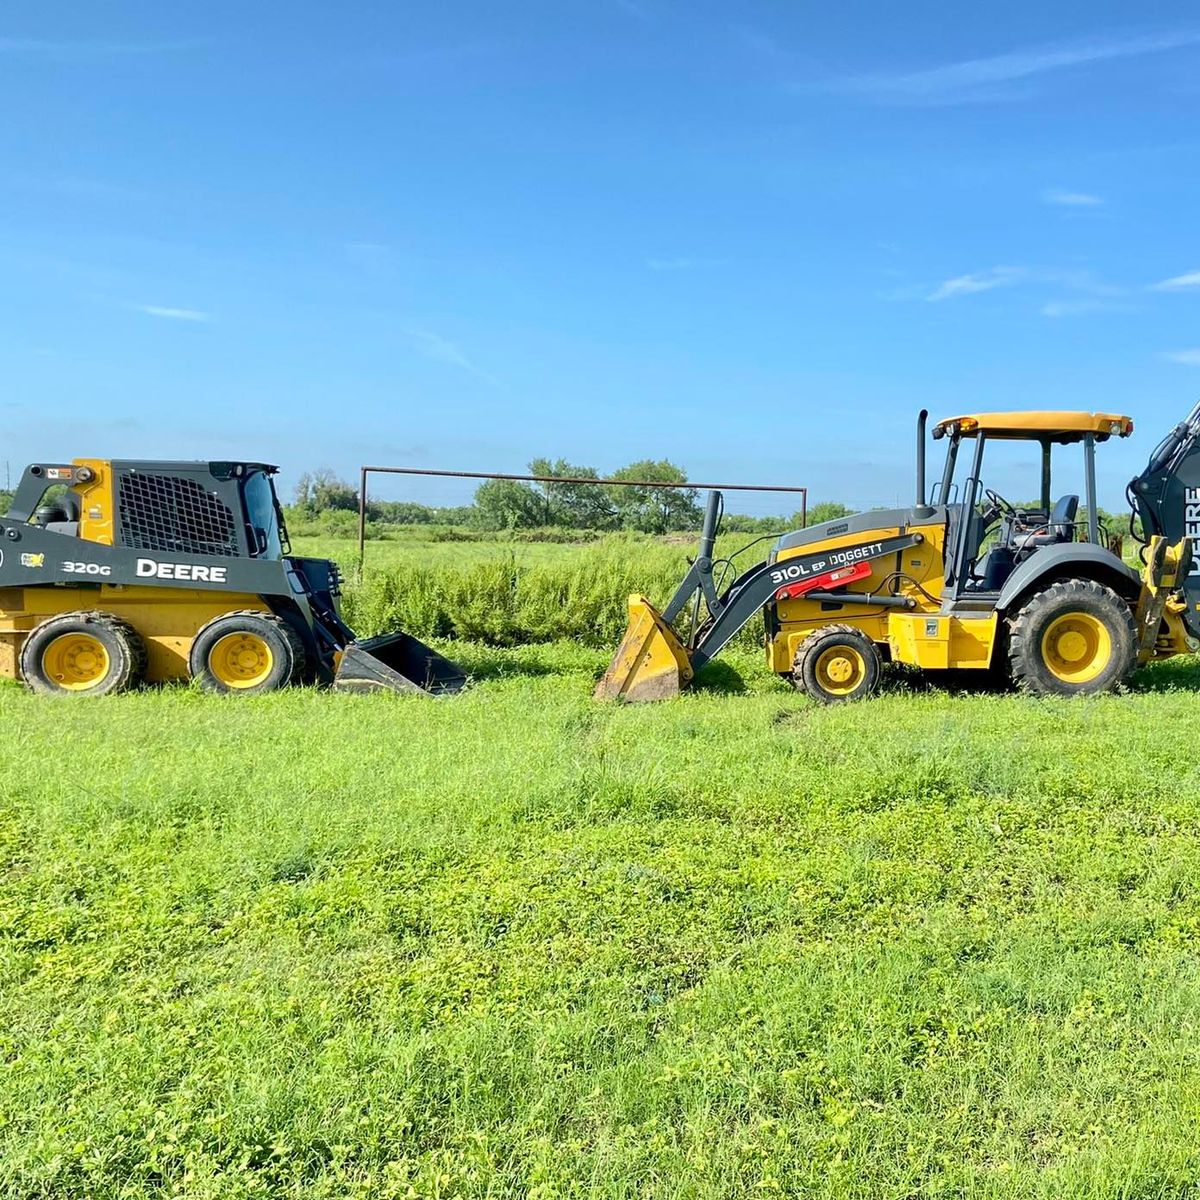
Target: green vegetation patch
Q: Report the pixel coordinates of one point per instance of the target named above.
(520, 944)
(506, 593)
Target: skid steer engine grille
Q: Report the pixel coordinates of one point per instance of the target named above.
(167, 512)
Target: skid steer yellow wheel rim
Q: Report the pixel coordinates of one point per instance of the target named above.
(840, 670)
(240, 660)
(1076, 647)
(75, 661)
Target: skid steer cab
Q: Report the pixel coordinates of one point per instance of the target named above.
(963, 579)
(117, 572)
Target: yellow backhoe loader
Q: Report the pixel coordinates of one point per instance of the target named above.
(963, 579)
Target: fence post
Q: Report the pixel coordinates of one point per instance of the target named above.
(362, 520)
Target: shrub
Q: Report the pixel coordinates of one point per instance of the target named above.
(503, 602)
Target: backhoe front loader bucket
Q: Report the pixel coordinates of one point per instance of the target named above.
(396, 662)
(650, 664)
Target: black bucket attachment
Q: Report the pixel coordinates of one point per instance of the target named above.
(397, 662)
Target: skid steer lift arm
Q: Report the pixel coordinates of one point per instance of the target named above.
(652, 663)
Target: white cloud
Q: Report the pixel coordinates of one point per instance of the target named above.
(985, 281)
(962, 80)
(1071, 199)
(173, 314)
(1099, 294)
(1076, 308)
(1178, 283)
(443, 350)
(1189, 358)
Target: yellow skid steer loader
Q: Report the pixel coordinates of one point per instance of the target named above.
(963, 579)
(114, 572)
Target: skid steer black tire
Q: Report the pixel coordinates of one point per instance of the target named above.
(83, 654)
(836, 664)
(246, 653)
(1075, 638)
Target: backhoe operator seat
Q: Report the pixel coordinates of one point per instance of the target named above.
(1059, 529)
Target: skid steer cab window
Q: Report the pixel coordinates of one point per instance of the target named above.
(262, 516)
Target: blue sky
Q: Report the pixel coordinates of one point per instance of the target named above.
(754, 238)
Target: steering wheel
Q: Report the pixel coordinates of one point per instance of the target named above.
(998, 501)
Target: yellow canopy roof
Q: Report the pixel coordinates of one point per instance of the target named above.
(1056, 426)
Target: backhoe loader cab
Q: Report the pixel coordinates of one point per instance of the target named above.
(963, 579)
(989, 536)
(118, 571)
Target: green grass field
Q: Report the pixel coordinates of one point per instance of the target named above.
(412, 547)
(390, 552)
(517, 943)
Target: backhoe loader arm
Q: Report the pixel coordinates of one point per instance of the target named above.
(1166, 569)
(1151, 492)
(751, 591)
(1166, 496)
(653, 663)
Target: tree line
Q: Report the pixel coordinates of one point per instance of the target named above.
(510, 504)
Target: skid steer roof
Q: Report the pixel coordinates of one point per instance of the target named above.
(220, 469)
(1038, 426)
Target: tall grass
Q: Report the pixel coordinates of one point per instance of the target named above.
(510, 601)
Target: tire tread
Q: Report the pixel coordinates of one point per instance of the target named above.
(135, 658)
(299, 655)
(1024, 655)
(812, 646)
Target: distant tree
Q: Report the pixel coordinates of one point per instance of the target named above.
(5, 501)
(401, 512)
(574, 505)
(321, 489)
(824, 510)
(741, 523)
(655, 510)
(507, 504)
(1107, 521)
(459, 514)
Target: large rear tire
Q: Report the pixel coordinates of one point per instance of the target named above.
(246, 653)
(82, 654)
(836, 664)
(1076, 638)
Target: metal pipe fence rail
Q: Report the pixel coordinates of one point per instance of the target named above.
(364, 472)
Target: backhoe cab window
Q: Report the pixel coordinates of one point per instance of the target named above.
(1010, 468)
(262, 516)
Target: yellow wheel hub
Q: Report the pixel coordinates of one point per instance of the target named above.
(1076, 647)
(241, 660)
(840, 670)
(76, 661)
